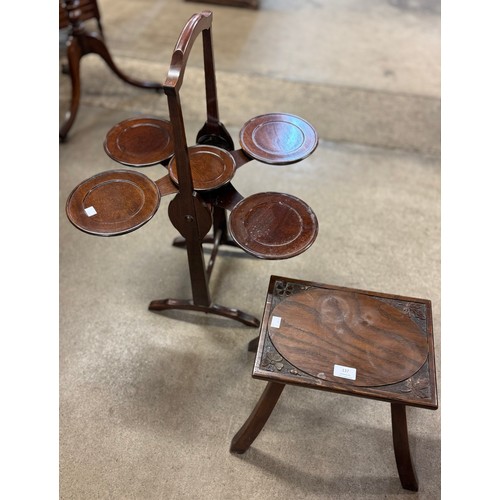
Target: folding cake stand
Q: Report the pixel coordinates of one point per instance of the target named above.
(267, 225)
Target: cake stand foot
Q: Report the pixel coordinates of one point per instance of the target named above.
(164, 304)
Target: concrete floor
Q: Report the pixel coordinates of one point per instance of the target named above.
(149, 402)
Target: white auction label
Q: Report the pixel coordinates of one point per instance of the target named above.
(344, 372)
(90, 211)
(276, 321)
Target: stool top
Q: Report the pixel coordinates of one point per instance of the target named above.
(346, 340)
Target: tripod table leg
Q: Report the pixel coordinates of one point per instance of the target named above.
(404, 463)
(74, 53)
(257, 419)
(97, 46)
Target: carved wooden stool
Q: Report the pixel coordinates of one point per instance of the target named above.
(347, 341)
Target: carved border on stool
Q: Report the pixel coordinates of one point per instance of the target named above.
(417, 386)
(284, 289)
(273, 361)
(416, 311)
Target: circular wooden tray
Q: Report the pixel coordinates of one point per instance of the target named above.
(211, 167)
(321, 328)
(273, 225)
(113, 202)
(140, 142)
(278, 138)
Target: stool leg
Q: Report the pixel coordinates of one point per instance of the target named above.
(404, 463)
(253, 345)
(258, 418)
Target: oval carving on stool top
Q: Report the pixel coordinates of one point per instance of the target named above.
(322, 328)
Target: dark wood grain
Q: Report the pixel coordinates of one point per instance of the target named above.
(322, 328)
(273, 225)
(140, 141)
(278, 138)
(123, 201)
(211, 167)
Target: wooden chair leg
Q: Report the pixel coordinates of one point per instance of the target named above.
(257, 419)
(404, 463)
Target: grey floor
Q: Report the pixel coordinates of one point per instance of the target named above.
(150, 401)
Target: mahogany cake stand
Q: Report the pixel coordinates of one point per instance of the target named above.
(267, 225)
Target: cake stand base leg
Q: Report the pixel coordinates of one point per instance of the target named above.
(165, 304)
